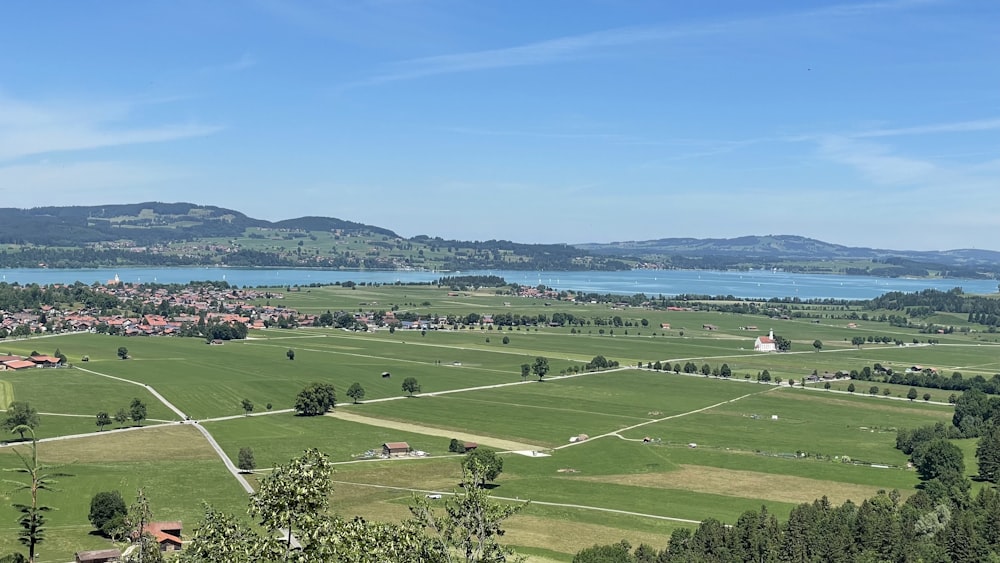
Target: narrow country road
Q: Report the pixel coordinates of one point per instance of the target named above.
(225, 459)
(155, 393)
(634, 426)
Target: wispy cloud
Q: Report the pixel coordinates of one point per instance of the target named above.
(991, 124)
(877, 163)
(542, 52)
(28, 128)
(585, 45)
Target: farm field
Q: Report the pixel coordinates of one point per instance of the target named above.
(635, 476)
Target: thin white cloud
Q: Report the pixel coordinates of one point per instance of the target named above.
(992, 124)
(877, 163)
(590, 44)
(542, 52)
(33, 128)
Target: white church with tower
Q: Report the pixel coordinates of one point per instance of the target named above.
(765, 343)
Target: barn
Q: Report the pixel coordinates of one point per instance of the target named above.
(390, 449)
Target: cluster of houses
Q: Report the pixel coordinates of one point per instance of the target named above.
(215, 305)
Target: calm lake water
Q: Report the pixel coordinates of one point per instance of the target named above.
(762, 284)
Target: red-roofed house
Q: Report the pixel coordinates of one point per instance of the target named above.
(45, 361)
(167, 534)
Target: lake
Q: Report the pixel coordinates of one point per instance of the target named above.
(763, 284)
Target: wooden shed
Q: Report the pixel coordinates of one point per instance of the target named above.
(98, 556)
(390, 449)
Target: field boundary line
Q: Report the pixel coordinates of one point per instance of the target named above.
(148, 387)
(526, 501)
(673, 416)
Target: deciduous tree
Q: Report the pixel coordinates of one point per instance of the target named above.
(411, 386)
(20, 418)
(136, 523)
(137, 411)
(103, 419)
(356, 392)
(483, 465)
(938, 458)
(294, 497)
(471, 525)
(107, 510)
(316, 399)
(540, 367)
(246, 461)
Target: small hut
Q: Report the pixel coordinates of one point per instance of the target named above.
(390, 449)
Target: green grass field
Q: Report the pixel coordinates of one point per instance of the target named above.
(611, 486)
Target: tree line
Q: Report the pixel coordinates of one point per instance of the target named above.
(942, 521)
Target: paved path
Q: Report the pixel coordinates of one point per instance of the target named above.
(155, 393)
(538, 502)
(225, 459)
(634, 426)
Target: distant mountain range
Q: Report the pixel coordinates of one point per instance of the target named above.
(789, 247)
(80, 236)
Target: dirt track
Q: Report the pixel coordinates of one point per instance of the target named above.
(505, 445)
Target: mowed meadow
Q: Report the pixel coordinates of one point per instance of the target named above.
(662, 450)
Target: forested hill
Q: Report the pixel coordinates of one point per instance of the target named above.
(782, 249)
(144, 224)
(185, 234)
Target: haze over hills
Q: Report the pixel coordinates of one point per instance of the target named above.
(77, 236)
(788, 247)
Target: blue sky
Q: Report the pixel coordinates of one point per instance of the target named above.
(860, 123)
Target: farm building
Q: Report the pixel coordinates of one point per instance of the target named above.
(167, 534)
(390, 449)
(20, 364)
(97, 556)
(765, 343)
